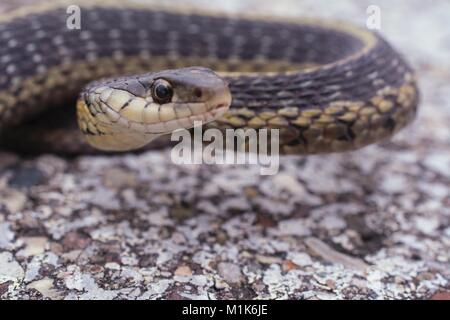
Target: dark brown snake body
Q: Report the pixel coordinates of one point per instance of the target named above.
(328, 87)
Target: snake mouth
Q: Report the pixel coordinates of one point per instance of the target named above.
(169, 126)
(124, 111)
(205, 112)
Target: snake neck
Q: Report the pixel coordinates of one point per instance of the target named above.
(326, 86)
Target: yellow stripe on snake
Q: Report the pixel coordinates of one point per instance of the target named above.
(327, 87)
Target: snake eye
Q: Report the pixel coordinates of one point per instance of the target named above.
(162, 91)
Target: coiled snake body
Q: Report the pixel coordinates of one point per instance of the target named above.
(327, 87)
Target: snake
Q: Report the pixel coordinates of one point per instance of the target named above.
(131, 73)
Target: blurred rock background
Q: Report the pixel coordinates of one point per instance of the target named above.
(371, 224)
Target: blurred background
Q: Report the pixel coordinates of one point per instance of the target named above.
(370, 224)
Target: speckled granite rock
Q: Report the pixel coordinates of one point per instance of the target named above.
(369, 224)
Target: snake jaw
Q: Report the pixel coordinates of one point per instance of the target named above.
(121, 114)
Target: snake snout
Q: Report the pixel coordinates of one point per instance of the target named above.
(220, 101)
(199, 95)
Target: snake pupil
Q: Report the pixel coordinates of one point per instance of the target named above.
(162, 91)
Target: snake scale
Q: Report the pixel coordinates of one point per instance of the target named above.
(328, 87)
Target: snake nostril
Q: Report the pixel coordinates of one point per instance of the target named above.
(198, 92)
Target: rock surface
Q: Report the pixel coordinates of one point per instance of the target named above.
(371, 224)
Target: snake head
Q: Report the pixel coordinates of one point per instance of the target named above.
(126, 113)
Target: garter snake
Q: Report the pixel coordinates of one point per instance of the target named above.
(327, 86)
